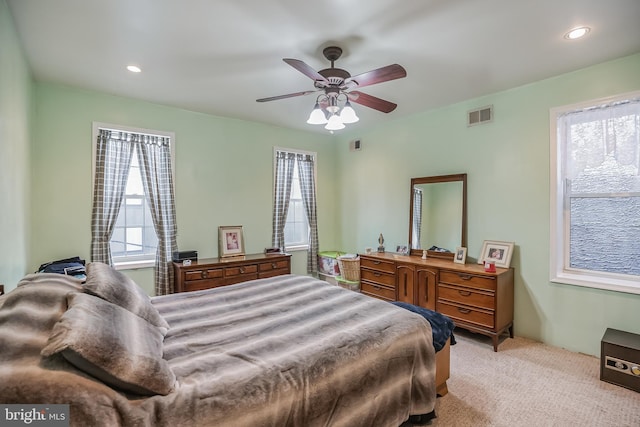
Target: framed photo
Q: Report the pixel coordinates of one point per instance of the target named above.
(500, 252)
(230, 241)
(402, 249)
(461, 255)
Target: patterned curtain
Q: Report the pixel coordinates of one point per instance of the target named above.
(284, 175)
(417, 218)
(308, 189)
(154, 153)
(113, 158)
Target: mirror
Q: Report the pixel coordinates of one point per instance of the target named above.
(438, 214)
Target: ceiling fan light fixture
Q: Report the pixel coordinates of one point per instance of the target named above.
(335, 85)
(317, 117)
(334, 123)
(348, 114)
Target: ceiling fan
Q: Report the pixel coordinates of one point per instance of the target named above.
(335, 83)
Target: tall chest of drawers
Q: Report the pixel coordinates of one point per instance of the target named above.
(214, 272)
(476, 300)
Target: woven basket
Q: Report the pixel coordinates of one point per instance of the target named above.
(350, 268)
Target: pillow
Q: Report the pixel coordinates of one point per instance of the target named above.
(109, 284)
(111, 344)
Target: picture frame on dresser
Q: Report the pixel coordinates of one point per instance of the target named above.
(402, 249)
(499, 252)
(230, 241)
(461, 255)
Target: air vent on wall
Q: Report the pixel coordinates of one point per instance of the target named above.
(355, 145)
(479, 116)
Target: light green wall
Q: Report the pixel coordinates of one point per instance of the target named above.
(15, 116)
(507, 162)
(224, 174)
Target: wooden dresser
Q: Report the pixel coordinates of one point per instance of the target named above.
(213, 272)
(474, 299)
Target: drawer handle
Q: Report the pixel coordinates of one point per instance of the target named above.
(241, 269)
(204, 275)
(464, 310)
(274, 265)
(377, 262)
(465, 276)
(464, 293)
(376, 287)
(377, 274)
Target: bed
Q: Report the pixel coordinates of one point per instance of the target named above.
(283, 351)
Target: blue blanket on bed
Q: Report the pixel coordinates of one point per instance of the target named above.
(441, 325)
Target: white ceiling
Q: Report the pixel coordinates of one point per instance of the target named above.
(219, 56)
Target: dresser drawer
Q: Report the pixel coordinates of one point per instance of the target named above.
(274, 265)
(467, 296)
(469, 280)
(240, 278)
(467, 314)
(198, 285)
(376, 264)
(209, 273)
(387, 279)
(378, 291)
(272, 273)
(241, 270)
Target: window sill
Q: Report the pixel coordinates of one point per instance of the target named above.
(605, 283)
(296, 248)
(134, 265)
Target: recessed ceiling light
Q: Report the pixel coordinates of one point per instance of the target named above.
(576, 33)
(133, 69)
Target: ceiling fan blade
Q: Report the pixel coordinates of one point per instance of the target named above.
(372, 101)
(289, 95)
(306, 70)
(384, 74)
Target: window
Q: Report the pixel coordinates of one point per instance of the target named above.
(295, 220)
(134, 242)
(296, 229)
(134, 238)
(595, 194)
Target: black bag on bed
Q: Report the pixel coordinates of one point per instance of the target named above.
(70, 266)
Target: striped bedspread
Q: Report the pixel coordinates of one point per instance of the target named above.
(284, 351)
(293, 350)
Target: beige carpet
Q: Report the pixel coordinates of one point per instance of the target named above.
(527, 383)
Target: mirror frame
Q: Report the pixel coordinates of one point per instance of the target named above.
(461, 177)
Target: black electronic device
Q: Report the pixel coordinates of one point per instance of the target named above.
(181, 256)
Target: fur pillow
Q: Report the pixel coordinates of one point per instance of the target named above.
(111, 344)
(109, 284)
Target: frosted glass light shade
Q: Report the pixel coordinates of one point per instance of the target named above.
(348, 114)
(334, 123)
(317, 117)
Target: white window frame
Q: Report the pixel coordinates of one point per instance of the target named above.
(298, 247)
(137, 261)
(559, 270)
